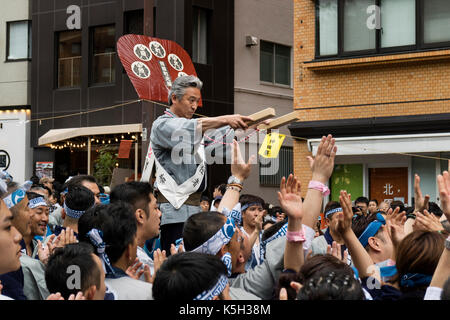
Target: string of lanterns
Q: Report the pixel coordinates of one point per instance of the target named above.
(96, 141)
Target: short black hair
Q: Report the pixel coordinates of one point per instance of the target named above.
(330, 206)
(333, 286)
(362, 222)
(58, 269)
(186, 275)
(273, 211)
(41, 186)
(79, 198)
(362, 199)
(249, 198)
(222, 188)
(374, 200)
(200, 227)
(273, 229)
(435, 209)
(204, 198)
(398, 203)
(33, 195)
(117, 222)
(321, 265)
(78, 180)
(135, 193)
(265, 223)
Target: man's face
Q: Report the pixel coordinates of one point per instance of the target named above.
(204, 205)
(22, 220)
(39, 221)
(249, 216)
(100, 292)
(363, 207)
(385, 243)
(154, 218)
(10, 238)
(280, 216)
(186, 107)
(95, 190)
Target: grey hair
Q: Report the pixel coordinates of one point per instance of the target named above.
(180, 85)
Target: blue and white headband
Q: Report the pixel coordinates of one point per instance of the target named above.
(96, 238)
(371, 230)
(37, 202)
(217, 241)
(236, 213)
(333, 211)
(248, 205)
(14, 198)
(262, 249)
(76, 214)
(215, 290)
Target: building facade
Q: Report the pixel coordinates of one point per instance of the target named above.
(263, 78)
(15, 89)
(76, 73)
(375, 74)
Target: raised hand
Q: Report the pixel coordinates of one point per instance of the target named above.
(345, 217)
(322, 164)
(290, 197)
(395, 222)
(158, 259)
(239, 168)
(420, 202)
(173, 248)
(65, 237)
(335, 250)
(427, 222)
(45, 251)
(444, 192)
(134, 271)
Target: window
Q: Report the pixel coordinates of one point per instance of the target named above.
(19, 40)
(358, 27)
(436, 21)
(275, 63)
(272, 170)
(69, 59)
(104, 55)
(134, 22)
(200, 43)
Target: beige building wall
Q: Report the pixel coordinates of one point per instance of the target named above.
(15, 86)
(272, 21)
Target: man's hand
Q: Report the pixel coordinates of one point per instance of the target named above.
(335, 250)
(65, 237)
(158, 259)
(134, 271)
(395, 222)
(420, 203)
(236, 121)
(239, 168)
(344, 218)
(322, 164)
(427, 222)
(290, 197)
(444, 192)
(45, 251)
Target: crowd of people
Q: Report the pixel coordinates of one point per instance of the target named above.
(168, 240)
(69, 244)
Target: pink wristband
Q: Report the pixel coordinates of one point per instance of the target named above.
(316, 185)
(295, 236)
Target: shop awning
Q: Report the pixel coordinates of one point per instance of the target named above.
(413, 143)
(56, 135)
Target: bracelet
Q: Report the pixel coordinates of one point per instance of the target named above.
(237, 185)
(234, 188)
(410, 216)
(316, 185)
(295, 236)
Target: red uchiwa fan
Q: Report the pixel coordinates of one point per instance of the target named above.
(153, 64)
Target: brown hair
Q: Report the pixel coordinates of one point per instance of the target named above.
(322, 264)
(419, 252)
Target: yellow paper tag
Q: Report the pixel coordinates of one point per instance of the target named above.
(271, 145)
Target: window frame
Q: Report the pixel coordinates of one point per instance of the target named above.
(274, 83)
(91, 56)
(28, 58)
(341, 54)
(57, 41)
(208, 13)
(286, 151)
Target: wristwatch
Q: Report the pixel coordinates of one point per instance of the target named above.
(234, 180)
(447, 243)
